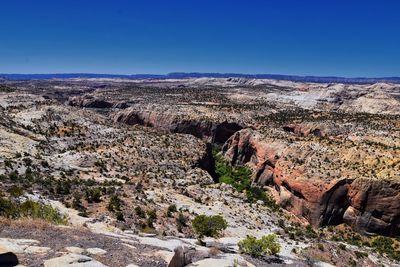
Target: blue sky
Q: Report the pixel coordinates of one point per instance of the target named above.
(337, 37)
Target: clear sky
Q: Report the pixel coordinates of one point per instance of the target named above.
(315, 37)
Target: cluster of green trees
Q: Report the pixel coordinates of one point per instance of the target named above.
(240, 178)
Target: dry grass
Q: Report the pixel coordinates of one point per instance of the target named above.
(37, 224)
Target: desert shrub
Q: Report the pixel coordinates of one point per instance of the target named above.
(100, 164)
(296, 232)
(352, 262)
(151, 217)
(27, 161)
(63, 186)
(385, 245)
(30, 209)
(120, 216)
(76, 201)
(114, 204)
(181, 221)
(90, 182)
(310, 233)
(171, 209)
(44, 164)
(13, 176)
(211, 226)
(8, 163)
(382, 244)
(360, 254)
(16, 191)
(354, 239)
(93, 194)
(140, 212)
(267, 245)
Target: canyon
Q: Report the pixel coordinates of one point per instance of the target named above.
(134, 161)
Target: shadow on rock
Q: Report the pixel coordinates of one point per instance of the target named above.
(8, 259)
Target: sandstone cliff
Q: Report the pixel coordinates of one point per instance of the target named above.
(201, 127)
(368, 204)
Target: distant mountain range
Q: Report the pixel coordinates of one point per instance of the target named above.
(183, 75)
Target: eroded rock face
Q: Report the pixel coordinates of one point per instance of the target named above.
(199, 127)
(374, 206)
(94, 102)
(367, 204)
(304, 130)
(207, 162)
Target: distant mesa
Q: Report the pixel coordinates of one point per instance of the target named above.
(186, 75)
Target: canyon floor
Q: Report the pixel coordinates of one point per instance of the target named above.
(117, 169)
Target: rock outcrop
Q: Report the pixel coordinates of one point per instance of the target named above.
(374, 206)
(304, 130)
(370, 205)
(182, 257)
(200, 127)
(94, 102)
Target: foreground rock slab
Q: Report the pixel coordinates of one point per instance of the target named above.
(73, 260)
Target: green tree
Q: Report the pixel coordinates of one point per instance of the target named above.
(267, 245)
(211, 226)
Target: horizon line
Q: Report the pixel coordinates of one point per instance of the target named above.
(204, 74)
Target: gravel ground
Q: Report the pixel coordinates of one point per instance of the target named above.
(57, 238)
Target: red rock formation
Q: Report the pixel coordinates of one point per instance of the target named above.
(374, 206)
(369, 205)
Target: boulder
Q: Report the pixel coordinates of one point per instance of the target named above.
(185, 255)
(96, 251)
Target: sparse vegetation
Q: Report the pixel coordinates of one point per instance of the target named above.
(13, 209)
(385, 245)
